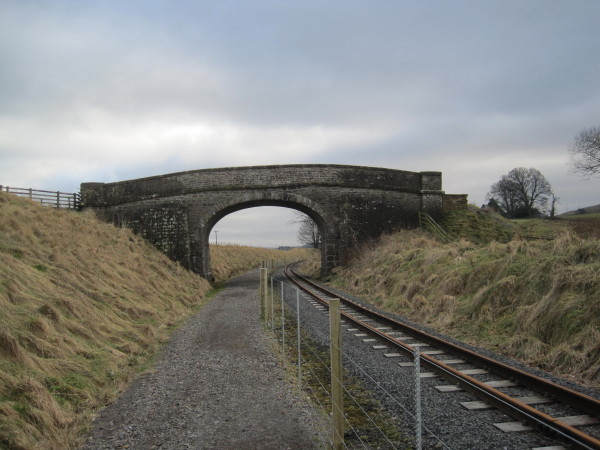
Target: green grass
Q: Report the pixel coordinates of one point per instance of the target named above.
(478, 226)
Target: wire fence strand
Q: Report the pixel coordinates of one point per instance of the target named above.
(305, 345)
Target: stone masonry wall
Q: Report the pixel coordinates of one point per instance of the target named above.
(454, 202)
(351, 204)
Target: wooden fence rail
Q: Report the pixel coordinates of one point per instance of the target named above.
(54, 199)
(427, 222)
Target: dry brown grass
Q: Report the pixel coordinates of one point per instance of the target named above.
(538, 301)
(231, 260)
(85, 306)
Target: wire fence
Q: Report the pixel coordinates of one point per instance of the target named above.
(366, 423)
(55, 199)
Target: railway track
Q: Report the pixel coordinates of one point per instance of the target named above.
(442, 358)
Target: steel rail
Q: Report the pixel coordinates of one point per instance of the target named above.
(505, 403)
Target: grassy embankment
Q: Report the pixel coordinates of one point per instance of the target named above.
(84, 307)
(231, 260)
(528, 289)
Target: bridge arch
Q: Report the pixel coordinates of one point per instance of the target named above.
(203, 228)
(351, 204)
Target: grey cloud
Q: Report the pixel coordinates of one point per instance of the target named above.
(293, 63)
(434, 85)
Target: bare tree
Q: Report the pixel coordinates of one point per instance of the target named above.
(585, 152)
(309, 232)
(520, 191)
(504, 194)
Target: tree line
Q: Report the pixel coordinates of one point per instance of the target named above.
(526, 192)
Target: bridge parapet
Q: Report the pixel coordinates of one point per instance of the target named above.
(259, 177)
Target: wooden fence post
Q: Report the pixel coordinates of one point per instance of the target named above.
(260, 288)
(265, 296)
(299, 337)
(263, 283)
(337, 389)
(282, 324)
(272, 308)
(418, 424)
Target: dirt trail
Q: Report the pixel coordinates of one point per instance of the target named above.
(215, 385)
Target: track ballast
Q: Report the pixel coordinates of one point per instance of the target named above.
(535, 403)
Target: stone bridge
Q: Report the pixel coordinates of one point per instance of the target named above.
(350, 204)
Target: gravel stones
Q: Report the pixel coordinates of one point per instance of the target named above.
(215, 385)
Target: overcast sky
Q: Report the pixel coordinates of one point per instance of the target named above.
(113, 90)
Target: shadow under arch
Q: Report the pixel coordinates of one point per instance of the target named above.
(201, 233)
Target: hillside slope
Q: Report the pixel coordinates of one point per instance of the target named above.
(231, 260)
(534, 300)
(595, 209)
(83, 304)
(84, 307)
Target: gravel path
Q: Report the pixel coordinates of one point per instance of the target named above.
(215, 385)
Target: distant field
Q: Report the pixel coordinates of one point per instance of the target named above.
(587, 225)
(584, 225)
(480, 227)
(595, 216)
(589, 211)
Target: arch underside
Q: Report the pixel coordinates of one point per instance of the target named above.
(203, 228)
(258, 203)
